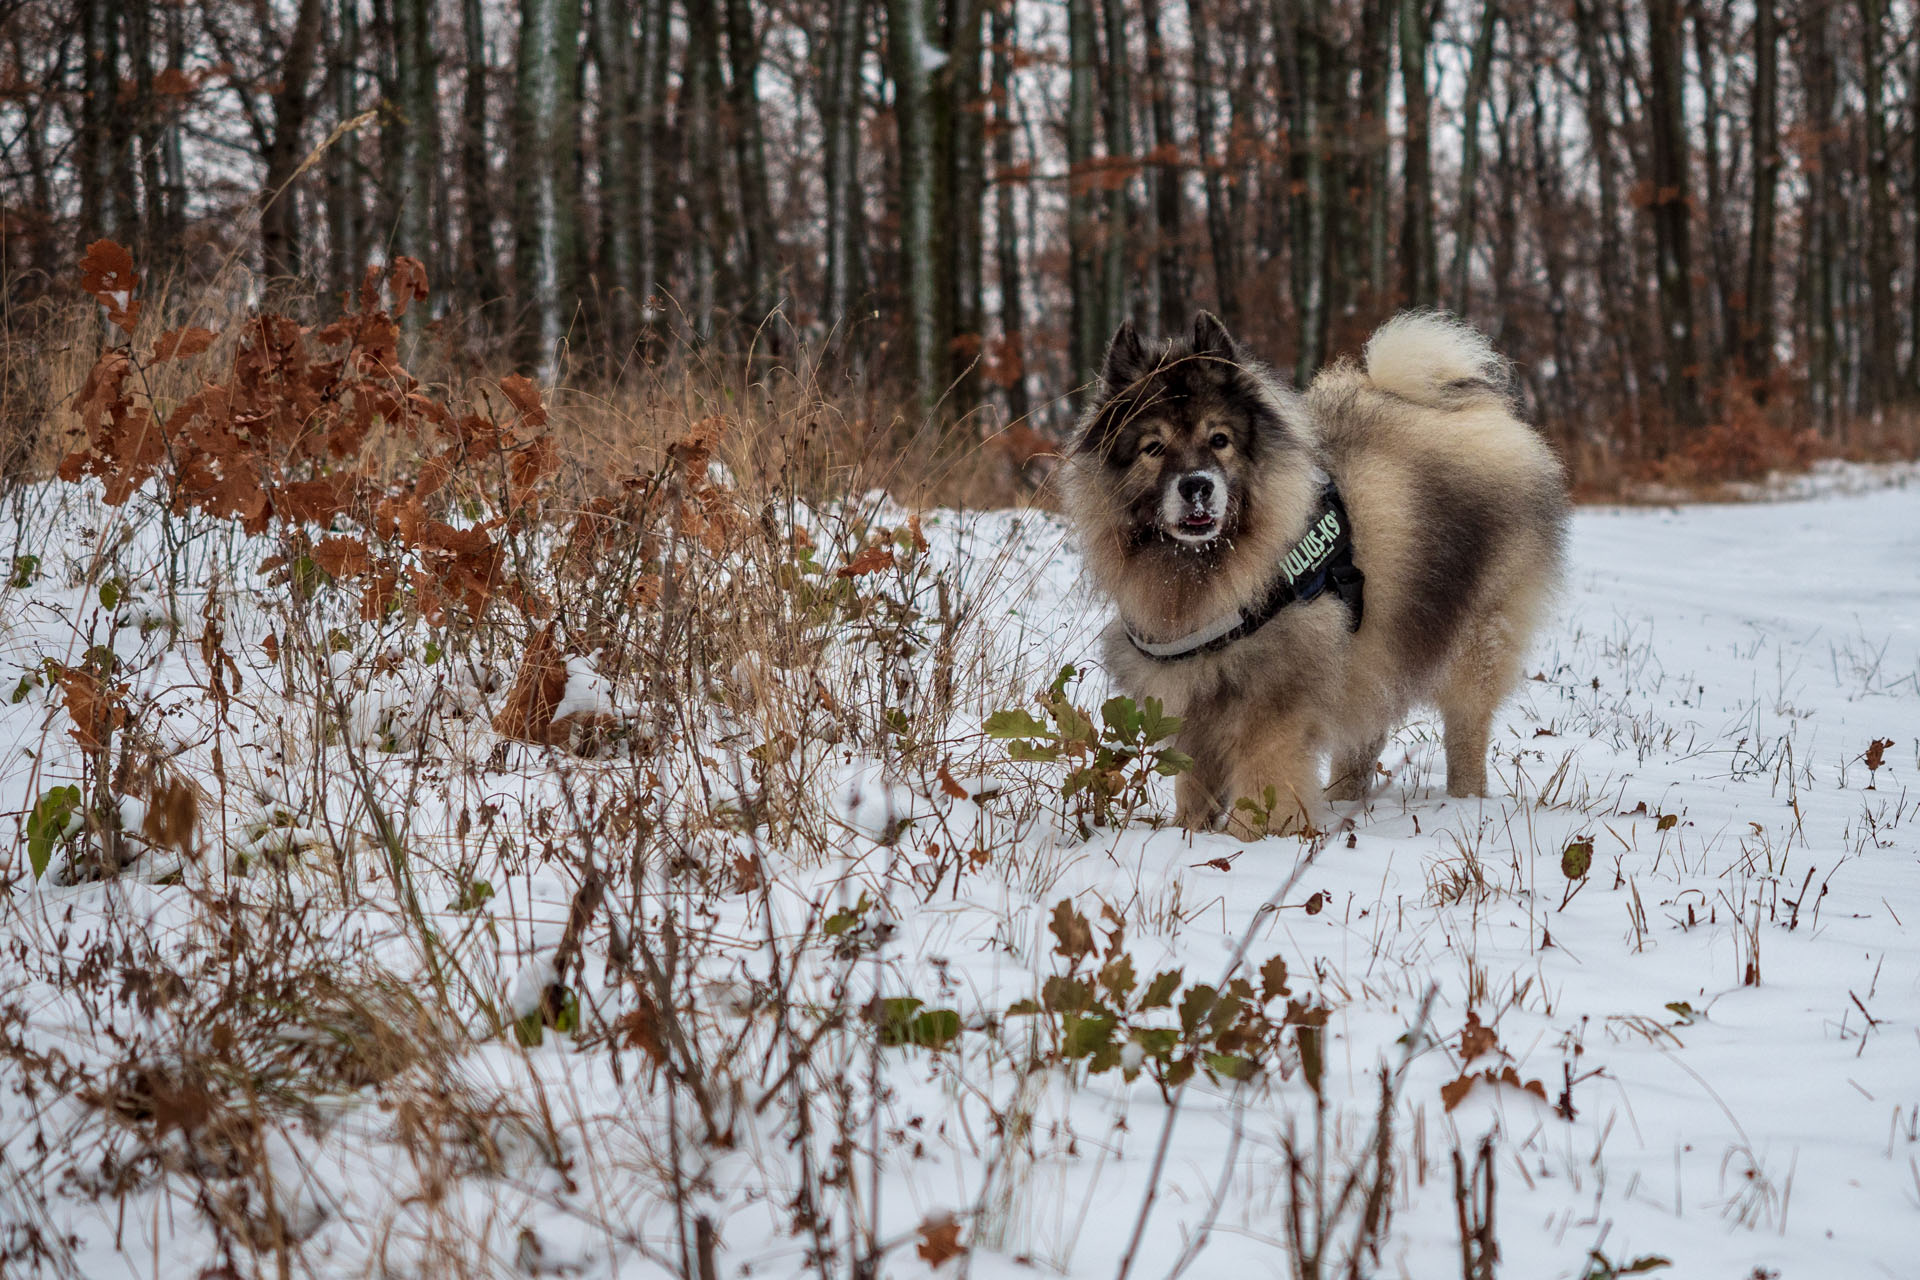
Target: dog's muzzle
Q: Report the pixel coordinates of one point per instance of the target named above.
(1193, 505)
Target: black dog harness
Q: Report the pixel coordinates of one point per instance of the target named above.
(1320, 562)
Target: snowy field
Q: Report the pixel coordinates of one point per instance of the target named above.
(1690, 913)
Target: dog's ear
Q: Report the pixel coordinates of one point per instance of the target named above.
(1126, 357)
(1210, 338)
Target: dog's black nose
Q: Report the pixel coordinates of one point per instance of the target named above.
(1196, 490)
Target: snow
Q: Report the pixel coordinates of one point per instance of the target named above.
(1722, 666)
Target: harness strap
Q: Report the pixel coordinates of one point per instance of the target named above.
(1320, 562)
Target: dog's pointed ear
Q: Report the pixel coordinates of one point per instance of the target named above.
(1210, 338)
(1126, 357)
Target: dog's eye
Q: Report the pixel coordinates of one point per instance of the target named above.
(1152, 448)
(1220, 440)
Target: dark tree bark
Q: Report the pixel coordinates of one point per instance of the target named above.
(1226, 266)
(1376, 92)
(750, 164)
(1826, 381)
(1882, 382)
(415, 65)
(965, 202)
(706, 230)
(1756, 315)
(1673, 253)
(1172, 283)
(544, 214)
(840, 117)
(1479, 69)
(343, 167)
(480, 260)
(1082, 227)
(613, 49)
(1303, 56)
(1717, 340)
(94, 144)
(1006, 229)
(1419, 279)
(1118, 106)
(649, 123)
(908, 50)
(280, 235)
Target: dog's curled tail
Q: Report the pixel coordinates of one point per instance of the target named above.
(1431, 358)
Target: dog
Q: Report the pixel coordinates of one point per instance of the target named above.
(1410, 528)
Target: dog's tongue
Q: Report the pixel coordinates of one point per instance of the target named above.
(1197, 520)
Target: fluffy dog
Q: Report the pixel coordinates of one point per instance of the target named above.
(1200, 488)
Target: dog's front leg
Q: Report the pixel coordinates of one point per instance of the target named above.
(1274, 774)
(1196, 799)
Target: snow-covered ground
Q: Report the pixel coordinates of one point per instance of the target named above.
(1722, 1012)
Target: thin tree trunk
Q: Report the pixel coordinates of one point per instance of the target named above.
(280, 221)
(965, 199)
(544, 217)
(173, 163)
(1883, 354)
(1120, 159)
(1913, 262)
(840, 114)
(1718, 341)
(1226, 267)
(1376, 93)
(147, 128)
(613, 54)
(1006, 230)
(482, 273)
(913, 116)
(699, 131)
(1419, 281)
(1172, 284)
(1824, 388)
(650, 93)
(750, 163)
(99, 166)
(1082, 229)
(343, 167)
(1478, 71)
(1673, 254)
(1756, 315)
(1303, 53)
(1619, 292)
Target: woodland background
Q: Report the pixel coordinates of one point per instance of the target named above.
(1692, 223)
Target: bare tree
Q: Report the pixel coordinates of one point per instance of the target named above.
(544, 216)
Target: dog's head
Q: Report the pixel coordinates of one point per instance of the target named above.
(1181, 432)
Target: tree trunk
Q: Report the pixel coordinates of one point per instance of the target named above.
(1818, 292)
(343, 168)
(1226, 267)
(1376, 93)
(1883, 354)
(482, 263)
(1673, 256)
(1465, 209)
(613, 46)
(913, 115)
(966, 194)
(1172, 284)
(1303, 54)
(1419, 282)
(1006, 230)
(415, 65)
(649, 94)
(1082, 229)
(840, 115)
(750, 163)
(280, 234)
(147, 128)
(1120, 161)
(1717, 341)
(1619, 291)
(544, 216)
(99, 166)
(701, 183)
(1756, 315)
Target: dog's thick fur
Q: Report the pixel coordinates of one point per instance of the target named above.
(1459, 515)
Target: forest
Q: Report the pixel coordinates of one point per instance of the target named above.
(1691, 223)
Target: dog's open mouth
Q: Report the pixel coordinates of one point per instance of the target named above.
(1196, 526)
